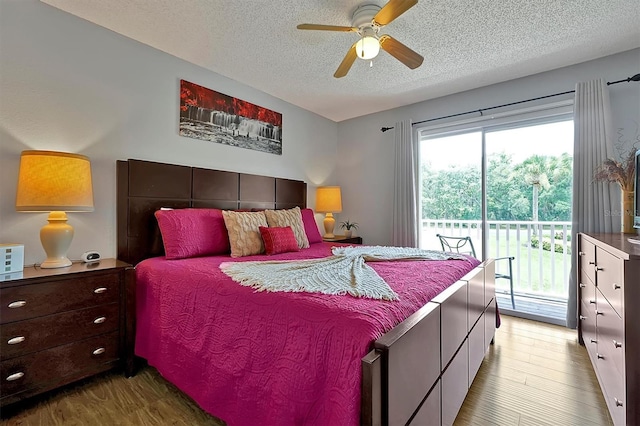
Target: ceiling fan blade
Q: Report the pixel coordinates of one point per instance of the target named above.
(326, 27)
(347, 62)
(401, 52)
(392, 10)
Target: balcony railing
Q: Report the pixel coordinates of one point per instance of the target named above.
(542, 251)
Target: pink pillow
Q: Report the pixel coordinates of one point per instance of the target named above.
(278, 239)
(192, 232)
(310, 226)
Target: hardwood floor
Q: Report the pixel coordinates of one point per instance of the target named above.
(535, 374)
(112, 399)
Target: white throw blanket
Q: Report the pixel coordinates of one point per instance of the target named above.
(343, 273)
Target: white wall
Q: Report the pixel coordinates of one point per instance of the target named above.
(69, 85)
(365, 164)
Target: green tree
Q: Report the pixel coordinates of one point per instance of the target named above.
(453, 193)
(535, 168)
(512, 189)
(505, 200)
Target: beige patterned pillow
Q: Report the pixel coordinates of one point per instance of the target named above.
(244, 232)
(292, 218)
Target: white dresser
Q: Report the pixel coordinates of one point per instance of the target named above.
(609, 326)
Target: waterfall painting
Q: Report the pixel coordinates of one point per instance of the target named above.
(211, 116)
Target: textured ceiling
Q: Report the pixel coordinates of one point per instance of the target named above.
(465, 43)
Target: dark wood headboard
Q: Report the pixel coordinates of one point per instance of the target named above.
(144, 187)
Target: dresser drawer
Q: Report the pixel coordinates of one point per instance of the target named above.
(587, 289)
(613, 388)
(588, 258)
(35, 300)
(588, 327)
(610, 335)
(23, 337)
(610, 279)
(57, 364)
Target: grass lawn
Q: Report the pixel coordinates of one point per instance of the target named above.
(536, 271)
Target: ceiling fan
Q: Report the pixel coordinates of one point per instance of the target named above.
(367, 21)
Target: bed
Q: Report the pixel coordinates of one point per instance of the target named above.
(296, 358)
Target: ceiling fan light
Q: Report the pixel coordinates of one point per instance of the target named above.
(367, 47)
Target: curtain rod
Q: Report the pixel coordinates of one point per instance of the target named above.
(481, 110)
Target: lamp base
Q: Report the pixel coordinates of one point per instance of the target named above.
(56, 238)
(329, 224)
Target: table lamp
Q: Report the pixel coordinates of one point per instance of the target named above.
(55, 182)
(329, 201)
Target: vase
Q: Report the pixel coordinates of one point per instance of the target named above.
(348, 233)
(627, 212)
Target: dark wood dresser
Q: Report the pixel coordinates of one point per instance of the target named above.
(62, 325)
(609, 326)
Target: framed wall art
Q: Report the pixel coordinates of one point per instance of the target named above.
(212, 116)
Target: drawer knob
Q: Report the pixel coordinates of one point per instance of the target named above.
(582, 285)
(599, 312)
(582, 317)
(600, 356)
(618, 402)
(16, 340)
(617, 344)
(581, 253)
(616, 286)
(592, 263)
(99, 320)
(593, 302)
(99, 351)
(599, 269)
(594, 341)
(100, 290)
(15, 376)
(17, 304)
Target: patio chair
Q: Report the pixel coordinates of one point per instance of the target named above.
(464, 245)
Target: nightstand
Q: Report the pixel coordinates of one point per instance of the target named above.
(343, 239)
(61, 325)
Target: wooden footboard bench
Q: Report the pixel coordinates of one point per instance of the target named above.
(420, 371)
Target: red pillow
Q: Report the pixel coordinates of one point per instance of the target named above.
(310, 226)
(278, 239)
(193, 232)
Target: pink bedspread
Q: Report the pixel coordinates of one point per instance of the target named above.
(259, 358)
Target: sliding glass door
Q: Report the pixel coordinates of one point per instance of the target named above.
(451, 189)
(508, 187)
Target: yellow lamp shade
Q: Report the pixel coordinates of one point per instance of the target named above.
(54, 181)
(328, 199)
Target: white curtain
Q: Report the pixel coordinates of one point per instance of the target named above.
(405, 195)
(593, 202)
